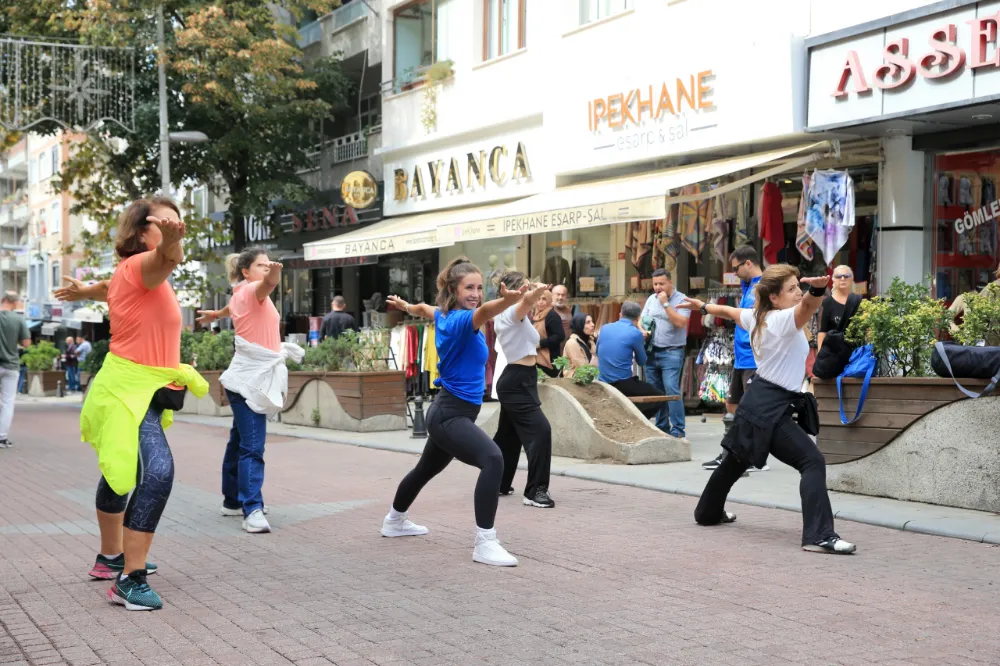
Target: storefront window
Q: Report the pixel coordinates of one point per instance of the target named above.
(580, 260)
(966, 208)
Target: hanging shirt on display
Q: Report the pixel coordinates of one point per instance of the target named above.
(830, 216)
(772, 223)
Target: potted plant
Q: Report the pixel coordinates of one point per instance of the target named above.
(902, 325)
(39, 359)
(348, 380)
(433, 75)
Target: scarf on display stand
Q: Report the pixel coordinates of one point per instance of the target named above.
(830, 211)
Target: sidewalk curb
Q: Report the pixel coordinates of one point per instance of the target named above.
(917, 527)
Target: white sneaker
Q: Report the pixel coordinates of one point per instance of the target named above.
(239, 512)
(762, 469)
(256, 523)
(489, 551)
(402, 527)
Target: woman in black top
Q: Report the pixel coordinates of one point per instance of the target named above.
(550, 329)
(835, 314)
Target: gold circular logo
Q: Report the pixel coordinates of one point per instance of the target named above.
(359, 189)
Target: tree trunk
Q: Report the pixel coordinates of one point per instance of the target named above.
(237, 229)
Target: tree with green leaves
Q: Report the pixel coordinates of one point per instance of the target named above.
(234, 72)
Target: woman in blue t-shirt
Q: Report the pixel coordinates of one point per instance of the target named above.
(451, 419)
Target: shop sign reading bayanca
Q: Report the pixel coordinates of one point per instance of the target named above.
(437, 176)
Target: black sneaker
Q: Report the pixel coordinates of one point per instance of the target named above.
(728, 517)
(833, 546)
(712, 465)
(506, 491)
(540, 498)
(6, 443)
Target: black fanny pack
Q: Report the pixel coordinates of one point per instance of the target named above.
(167, 398)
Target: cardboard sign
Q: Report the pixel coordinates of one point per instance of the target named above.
(730, 280)
(587, 284)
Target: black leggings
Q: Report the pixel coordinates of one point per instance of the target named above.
(792, 446)
(522, 423)
(453, 433)
(154, 479)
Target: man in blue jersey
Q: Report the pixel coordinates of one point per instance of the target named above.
(745, 262)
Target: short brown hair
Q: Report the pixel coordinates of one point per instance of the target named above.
(132, 222)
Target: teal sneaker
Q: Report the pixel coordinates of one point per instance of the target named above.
(107, 568)
(134, 593)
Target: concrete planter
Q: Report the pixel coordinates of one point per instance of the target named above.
(43, 384)
(214, 403)
(918, 439)
(574, 434)
(353, 401)
(85, 378)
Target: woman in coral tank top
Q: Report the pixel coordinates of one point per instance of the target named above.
(132, 398)
(256, 382)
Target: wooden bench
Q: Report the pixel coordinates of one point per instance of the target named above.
(651, 399)
(893, 404)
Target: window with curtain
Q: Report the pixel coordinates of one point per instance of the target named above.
(504, 27)
(593, 10)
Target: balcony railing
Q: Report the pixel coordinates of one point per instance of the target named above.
(342, 16)
(344, 149)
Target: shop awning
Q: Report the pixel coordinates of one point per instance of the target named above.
(627, 199)
(394, 235)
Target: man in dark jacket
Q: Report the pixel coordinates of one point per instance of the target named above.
(337, 321)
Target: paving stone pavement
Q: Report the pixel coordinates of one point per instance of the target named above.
(613, 575)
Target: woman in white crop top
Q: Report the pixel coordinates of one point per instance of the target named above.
(522, 422)
(764, 423)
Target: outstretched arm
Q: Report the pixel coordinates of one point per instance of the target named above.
(491, 309)
(713, 309)
(421, 310)
(208, 316)
(810, 303)
(78, 291)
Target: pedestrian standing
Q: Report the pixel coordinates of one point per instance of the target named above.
(664, 365)
(451, 419)
(775, 417)
(133, 396)
(522, 423)
(551, 335)
(71, 364)
(13, 333)
(83, 347)
(256, 383)
(337, 321)
(745, 262)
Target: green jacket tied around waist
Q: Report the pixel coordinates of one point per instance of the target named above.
(116, 403)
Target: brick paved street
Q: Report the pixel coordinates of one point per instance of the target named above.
(613, 575)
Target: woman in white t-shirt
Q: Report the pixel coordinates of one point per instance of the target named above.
(774, 417)
(522, 422)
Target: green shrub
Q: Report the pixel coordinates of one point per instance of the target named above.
(189, 339)
(39, 357)
(214, 352)
(95, 359)
(902, 326)
(585, 374)
(348, 352)
(982, 317)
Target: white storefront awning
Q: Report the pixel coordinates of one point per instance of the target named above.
(619, 200)
(397, 234)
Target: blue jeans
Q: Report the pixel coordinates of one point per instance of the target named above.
(243, 463)
(73, 378)
(663, 372)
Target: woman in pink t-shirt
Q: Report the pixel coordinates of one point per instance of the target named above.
(257, 367)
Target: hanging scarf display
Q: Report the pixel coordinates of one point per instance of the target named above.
(772, 222)
(803, 243)
(830, 216)
(693, 222)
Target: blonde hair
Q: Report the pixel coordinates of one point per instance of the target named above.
(238, 262)
(772, 281)
(230, 265)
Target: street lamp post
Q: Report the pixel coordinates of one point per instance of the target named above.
(166, 136)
